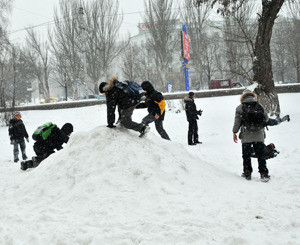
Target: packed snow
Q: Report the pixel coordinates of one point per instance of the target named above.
(108, 186)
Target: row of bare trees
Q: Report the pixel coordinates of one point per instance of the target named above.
(82, 47)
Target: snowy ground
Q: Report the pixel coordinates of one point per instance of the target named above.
(108, 186)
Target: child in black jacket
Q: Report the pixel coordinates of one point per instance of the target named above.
(156, 105)
(192, 117)
(17, 132)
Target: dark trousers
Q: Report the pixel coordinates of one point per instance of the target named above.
(158, 125)
(16, 144)
(259, 151)
(127, 122)
(42, 151)
(193, 131)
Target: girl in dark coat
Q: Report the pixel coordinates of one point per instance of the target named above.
(17, 132)
(192, 117)
(156, 108)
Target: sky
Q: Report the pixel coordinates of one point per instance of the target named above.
(108, 186)
(34, 12)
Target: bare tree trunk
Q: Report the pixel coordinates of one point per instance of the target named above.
(262, 65)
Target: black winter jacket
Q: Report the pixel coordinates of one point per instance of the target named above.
(116, 97)
(54, 141)
(154, 101)
(191, 109)
(17, 129)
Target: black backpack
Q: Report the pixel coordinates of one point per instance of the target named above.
(253, 116)
(132, 89)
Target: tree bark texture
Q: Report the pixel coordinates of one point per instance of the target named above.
(262, 65)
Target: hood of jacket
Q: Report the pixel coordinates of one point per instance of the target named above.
(147, 86)
(187, 99)
(248, 97)
(110, 84)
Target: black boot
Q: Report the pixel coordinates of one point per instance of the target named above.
(246, 175)
(198, 142)
(24, 165)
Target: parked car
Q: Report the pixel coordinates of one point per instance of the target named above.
(220, 83)
(237, 85)
(52, 99)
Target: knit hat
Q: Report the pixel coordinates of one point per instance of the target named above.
(101, 86)
(67, 128)
(15, 113)
(191, 94)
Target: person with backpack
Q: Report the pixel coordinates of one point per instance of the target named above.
(17, 132)
(250, 120)
(48, 137)
(192, 116)
(117, 94)
(156, 108)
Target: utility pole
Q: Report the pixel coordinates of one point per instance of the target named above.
(83, 39)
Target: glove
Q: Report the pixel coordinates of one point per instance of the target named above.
(200, 112)
(27, 139)
(111, 126)
(12, 142)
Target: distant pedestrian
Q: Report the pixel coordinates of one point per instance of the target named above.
(192, 116)
(17, 132)
(156, 108)
(126, 105)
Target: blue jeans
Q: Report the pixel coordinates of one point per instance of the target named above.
(16, 144)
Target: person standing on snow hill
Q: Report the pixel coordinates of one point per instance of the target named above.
(117, 97)
(156, 107)
(45, 145)
(192, 116)
(250, 119)
(17, 132)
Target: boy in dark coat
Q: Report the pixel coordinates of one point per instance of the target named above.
(192, 117)
(17, 132)
(250, 137)
(46, 147)
(156, 107)
(117, 97)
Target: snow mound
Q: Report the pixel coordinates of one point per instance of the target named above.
(107, 178)
(110, 161)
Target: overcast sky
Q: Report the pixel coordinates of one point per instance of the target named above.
(34, 12)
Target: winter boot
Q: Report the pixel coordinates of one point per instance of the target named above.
(198, 142)
(264, 177)
(285, 118)
(144, 131)
(191, 143)
(24, 165)
(247, 176)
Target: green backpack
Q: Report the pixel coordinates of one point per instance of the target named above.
(43, 131)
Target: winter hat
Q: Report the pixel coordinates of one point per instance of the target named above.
(101, 86)
(147, 86)
(191, 94)
(15, 113)
(67, 128)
